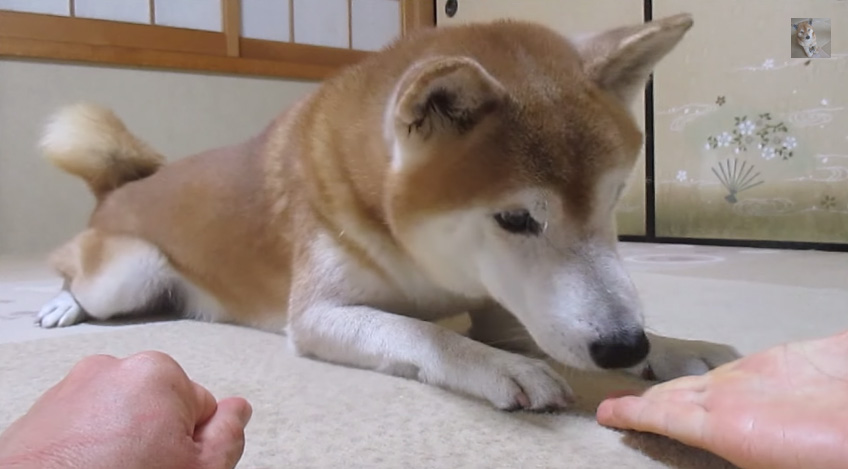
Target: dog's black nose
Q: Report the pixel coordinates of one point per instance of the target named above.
(808, 37)
(621, 350)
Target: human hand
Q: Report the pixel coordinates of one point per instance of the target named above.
(137, 412)
(786, 407)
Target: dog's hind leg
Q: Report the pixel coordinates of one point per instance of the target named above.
(110, 275)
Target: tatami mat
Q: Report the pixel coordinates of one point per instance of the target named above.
(315, 415)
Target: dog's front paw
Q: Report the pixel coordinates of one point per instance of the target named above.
(672, 358)
(515, 382)
(61, 311)
(528, 384)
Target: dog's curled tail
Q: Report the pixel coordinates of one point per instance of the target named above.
(91, 142)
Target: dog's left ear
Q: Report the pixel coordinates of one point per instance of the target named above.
(444, 97)
(621, 60)
(810, 22)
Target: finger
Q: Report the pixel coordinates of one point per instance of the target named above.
(204, 405)
(162, 375)
(82, 373)
(692, 383)
(622, 393)
(682, 421)
(92, 364)
(221, 439)
(680, 395)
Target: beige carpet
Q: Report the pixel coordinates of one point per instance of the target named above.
(314, 415)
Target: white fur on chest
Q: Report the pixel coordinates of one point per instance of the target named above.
(403, 288)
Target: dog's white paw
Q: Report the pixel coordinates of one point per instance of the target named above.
(672, 358)
(62, 311)
(515, 382)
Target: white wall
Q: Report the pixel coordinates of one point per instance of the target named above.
(178, 113)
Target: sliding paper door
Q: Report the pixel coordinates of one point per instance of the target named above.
(750, 142)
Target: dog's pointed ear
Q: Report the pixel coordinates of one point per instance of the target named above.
(621, 60)
(810, 22)
(444, 97)
(795, 27)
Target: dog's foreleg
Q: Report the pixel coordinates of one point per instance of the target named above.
(497, 327)
(672, 358)
(365, 337)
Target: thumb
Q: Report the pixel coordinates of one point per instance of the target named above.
(221, 438)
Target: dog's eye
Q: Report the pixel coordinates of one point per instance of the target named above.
(518, 222)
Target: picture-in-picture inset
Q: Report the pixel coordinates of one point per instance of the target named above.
(810, 38)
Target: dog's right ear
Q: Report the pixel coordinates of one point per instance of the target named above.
(795, 27)
(444, 97)
(621, 60)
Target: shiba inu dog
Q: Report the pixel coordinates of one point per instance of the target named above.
(806, 36)
(466, 169)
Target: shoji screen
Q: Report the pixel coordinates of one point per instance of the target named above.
(355, 24)
(192, 14)
(307, 39)
(750, 142)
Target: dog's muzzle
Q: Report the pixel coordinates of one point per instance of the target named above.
(621, 350)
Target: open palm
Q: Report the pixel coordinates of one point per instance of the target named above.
(786, 407)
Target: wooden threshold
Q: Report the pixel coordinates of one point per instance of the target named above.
(62, 29)
(299, 53)
(145, 58)
(48, 37)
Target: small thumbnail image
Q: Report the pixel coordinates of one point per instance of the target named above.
(810, 38)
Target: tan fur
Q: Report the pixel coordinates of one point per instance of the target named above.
(318, 219)
(91, 263)
(92, 143)
(802, 31)
(323, 166)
